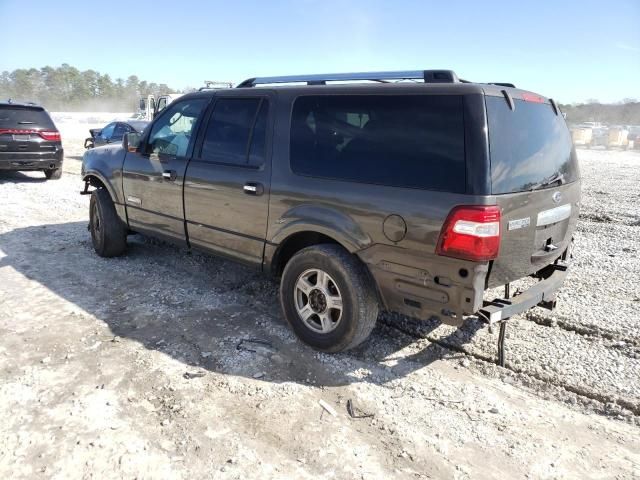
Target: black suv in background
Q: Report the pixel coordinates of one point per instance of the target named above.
(29, 140)
(406, 191)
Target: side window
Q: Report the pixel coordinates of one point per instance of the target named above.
(119, 131)
(414, 141)
(107, 132)
(171, 132)
(162, 103)
(236, 132)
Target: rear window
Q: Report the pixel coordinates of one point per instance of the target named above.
(414, 141)
(530, 146)
(24, 117)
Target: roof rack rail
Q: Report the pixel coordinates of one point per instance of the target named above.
(215, 84)
(503, 84)
(427, 76)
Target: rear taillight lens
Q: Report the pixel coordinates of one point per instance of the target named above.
(48, 135)
(471, 233)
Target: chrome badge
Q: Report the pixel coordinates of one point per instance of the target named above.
(519, 223)
(557, 197)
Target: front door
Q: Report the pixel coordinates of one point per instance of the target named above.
(153, 176)
(226, 191)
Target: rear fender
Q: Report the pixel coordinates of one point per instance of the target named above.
(327, 221)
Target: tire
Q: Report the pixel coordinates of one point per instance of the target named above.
(53, 173)
(108, 233)
(348, 280)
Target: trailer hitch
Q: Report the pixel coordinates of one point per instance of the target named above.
(503, 328)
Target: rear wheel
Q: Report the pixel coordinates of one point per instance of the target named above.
(53, 173)
(108, 233)
(328, 298)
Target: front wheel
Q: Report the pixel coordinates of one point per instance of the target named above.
(328, 298)
(108, 233)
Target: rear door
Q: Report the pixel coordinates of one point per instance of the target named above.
(226, 193)
(153, 176)
(535, 178)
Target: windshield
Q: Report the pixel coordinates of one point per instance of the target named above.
(531, 147)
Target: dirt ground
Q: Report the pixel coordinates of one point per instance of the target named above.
(170, 364)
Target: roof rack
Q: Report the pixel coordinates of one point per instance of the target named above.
(215, 84)
(427, 76)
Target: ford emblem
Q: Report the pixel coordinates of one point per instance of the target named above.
(557, 197)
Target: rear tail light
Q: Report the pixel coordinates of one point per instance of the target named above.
(471, 233)
(48, 135)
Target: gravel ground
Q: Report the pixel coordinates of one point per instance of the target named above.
(164, 364)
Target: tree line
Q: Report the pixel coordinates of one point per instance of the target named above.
(626, 112)
(65, 88)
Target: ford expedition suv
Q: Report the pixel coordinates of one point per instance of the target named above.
(405, 191)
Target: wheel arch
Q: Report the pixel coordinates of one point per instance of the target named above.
(292, 244)
(97, 180)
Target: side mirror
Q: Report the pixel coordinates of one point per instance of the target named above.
(131, 142)
(143, 104)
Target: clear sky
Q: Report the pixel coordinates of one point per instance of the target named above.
(568, 50)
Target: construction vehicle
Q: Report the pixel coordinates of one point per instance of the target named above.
(149, 107)
(618, 137)
(582, 136)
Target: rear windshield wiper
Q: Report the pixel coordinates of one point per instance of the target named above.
(558, 177)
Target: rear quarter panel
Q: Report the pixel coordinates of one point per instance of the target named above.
(358, 215)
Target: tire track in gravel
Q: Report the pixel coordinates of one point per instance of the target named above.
(487, 352)
(584, 330)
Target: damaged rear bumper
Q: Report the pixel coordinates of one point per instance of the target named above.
(541, 294)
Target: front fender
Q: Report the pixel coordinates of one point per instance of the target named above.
(325, 220)
(105, 163)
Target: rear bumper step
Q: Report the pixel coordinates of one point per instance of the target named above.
(541, 294)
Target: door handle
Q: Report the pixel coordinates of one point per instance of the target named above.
(253, 188)
(170, 175)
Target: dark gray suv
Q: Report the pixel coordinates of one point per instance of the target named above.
(405, 191)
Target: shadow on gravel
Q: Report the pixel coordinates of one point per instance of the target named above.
(20, 177)
(206, 312)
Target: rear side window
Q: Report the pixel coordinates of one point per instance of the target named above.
(24, 117)
(414, 141)
(529, 145)
(120, 130)
(236, 132)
